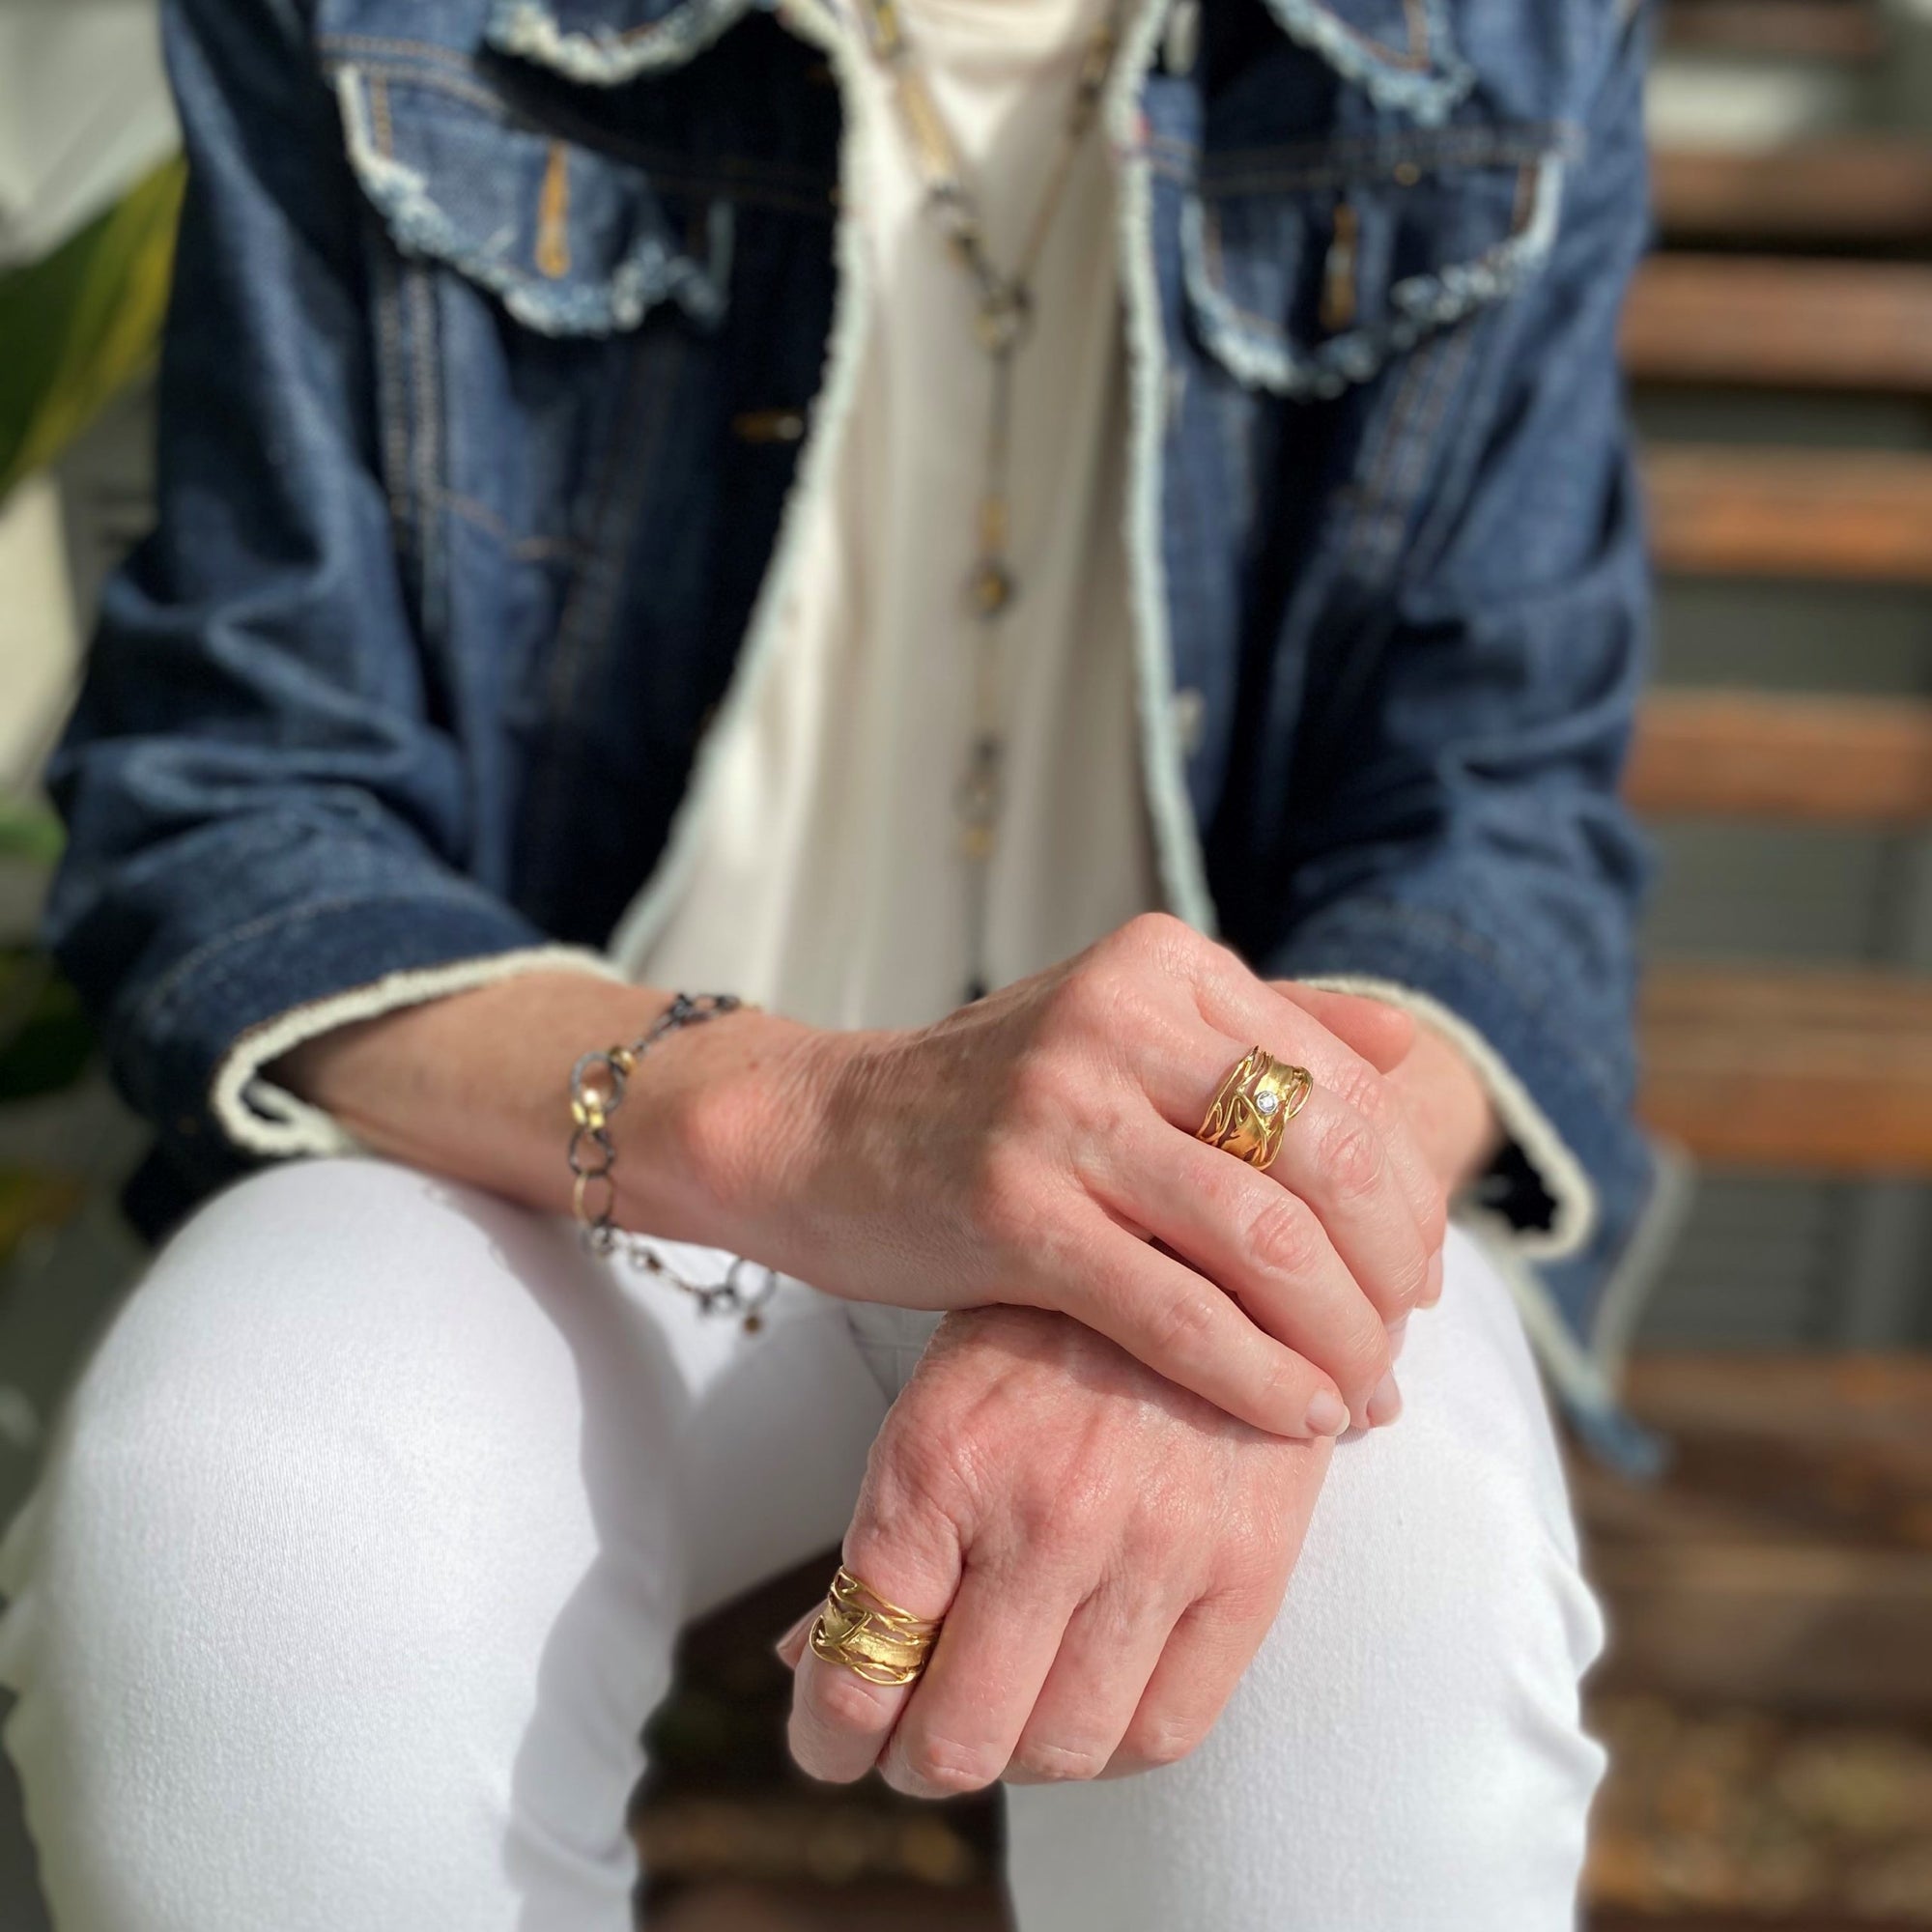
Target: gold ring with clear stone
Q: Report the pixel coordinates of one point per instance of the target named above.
(1259, 1098)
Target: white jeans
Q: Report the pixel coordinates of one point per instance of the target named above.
(356, 1567)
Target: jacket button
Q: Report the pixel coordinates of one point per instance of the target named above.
(769, 425)
(1188, 710)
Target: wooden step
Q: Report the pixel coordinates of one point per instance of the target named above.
(1749, 755)
(1724, 1922)
(749, 1906)
(1697, 1793)
(1843, 190)
(1824, 1072)
(732, 1905)
(1784, 1559)
(1761, 322)
(1829, 30)
(1848, 515)
(1734, 1818)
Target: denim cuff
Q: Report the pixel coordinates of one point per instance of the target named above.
(1564, 1103)
(227, 1010)
(1557, 1173)
(261, 1118)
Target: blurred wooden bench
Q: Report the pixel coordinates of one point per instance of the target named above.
(1785, 1559)
(1788, 1067)
(1847, 30)
(1857, 516)
(1850, 189)
(1766, 322)
(1765, 1065)
(1813, 758)
(1783, 1564)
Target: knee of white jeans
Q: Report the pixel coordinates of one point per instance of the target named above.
(315, 1527)
(1442, 1573)
(1404, 1752)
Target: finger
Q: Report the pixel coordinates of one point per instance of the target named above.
(959, 1731)
(1336, 1162)
(1382, 1034)
(1182, 1326)
(1247, 1010)
(1258, 1243)
(791, 1646)
(839, 1721)
(1208, 1650)
(1344, 1165)
(1355, 1082)
(1112, 1645)
(1432, 1294)
(1183, 1081)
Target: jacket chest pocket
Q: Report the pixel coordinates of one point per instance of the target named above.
(1345, 197)
(1359, 185)
(1402, 55)
(1309, 269)
(547, 290)
(572, 239)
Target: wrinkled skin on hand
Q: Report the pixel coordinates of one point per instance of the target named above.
(1038, 1148)
(1108, 1552)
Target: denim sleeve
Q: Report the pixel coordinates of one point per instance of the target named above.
(1459, 832)
(264, 812)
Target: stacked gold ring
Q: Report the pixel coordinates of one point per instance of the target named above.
(1255, 1102)
(861, 1632)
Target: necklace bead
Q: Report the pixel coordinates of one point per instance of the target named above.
(1004, 320)
(993, 588)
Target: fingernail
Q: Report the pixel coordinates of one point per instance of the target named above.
(1386, 1404)
(1327, 1414)
(1432, 1286)
(797, 1631)
(1398, 1334)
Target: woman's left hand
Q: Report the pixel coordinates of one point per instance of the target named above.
(1107, 1551)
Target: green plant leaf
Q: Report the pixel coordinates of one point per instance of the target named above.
(83, 323)
(45, 1040)
(30, 834)
(31, 1200)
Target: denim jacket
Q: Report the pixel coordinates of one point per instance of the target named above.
(503, 332)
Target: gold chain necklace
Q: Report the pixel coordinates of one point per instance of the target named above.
(1003, 317)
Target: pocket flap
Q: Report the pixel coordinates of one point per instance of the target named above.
(1306, 273)
(1400, 52)
(607, 42)
(572, 239)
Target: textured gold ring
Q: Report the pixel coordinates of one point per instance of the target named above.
(861, 1632)
(1253, 1104)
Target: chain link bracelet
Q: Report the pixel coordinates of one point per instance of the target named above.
(597, 1084)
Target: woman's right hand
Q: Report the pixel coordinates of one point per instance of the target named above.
(1037, 1148)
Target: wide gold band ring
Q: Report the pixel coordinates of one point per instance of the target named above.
(1254, 1103)
(861, 1632)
